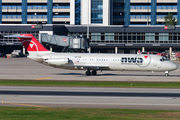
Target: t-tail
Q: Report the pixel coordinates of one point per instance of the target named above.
(32, 45)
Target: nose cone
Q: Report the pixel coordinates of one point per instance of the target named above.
(174, 66)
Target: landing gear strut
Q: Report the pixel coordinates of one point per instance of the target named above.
(166, 73)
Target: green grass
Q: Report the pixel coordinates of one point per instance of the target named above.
(90, 84)
(25, 113)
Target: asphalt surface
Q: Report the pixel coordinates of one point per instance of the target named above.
(120, 98)
(91, 97)
(24, 68)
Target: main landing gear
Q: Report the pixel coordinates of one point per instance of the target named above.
(166, 73)
(88, 72)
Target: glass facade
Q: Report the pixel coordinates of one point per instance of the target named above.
(77, 12)
(164, 36)
(95, 36)
(24, 12)
(49, 12)
(135, 38)
(97, 11)
(150, 36)
(127, 12)
(109, 36)
(35, 12)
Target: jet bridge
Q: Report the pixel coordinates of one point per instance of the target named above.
(68, 42)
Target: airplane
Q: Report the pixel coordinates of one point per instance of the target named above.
(92, 62)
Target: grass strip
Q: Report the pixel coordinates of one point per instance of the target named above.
(90, 84)
(28, 113)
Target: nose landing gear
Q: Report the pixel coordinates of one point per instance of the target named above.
(166, 73)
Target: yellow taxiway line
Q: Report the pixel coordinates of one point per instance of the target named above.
(24, 104)
(43, 78)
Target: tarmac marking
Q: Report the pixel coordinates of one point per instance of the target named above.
(104, 103)
(43, 78)
(23, 104)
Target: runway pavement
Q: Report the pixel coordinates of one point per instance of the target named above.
(91, 97)
(24, 68)
(128, 98)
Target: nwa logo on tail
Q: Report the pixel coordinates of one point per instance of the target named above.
(29, 42)
(140, 60)
(30, 45)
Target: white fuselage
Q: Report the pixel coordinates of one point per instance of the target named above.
(120, 62)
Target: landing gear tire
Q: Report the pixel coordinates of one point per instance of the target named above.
(88, 73)
(166, 74)
(94, 72)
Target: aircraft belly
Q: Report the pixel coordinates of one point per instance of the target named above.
(65, 67)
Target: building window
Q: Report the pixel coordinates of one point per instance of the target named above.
(178, 36)
(150, 36)
(95, 36)
(163, 36)
(109, 36)
(96, 11)
(175, 36)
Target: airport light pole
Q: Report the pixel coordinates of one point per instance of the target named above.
(88, 22)
(89, 50)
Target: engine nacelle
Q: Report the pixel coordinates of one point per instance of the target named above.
(57, 61)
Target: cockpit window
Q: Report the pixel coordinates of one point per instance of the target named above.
(164, 59)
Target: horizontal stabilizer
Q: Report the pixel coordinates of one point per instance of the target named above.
(18, 36)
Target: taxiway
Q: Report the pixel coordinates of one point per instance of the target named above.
(26, 69)
(79, 97)
(91, 97)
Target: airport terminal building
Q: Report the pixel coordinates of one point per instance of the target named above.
(115, 26)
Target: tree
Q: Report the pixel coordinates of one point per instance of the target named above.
(170, 20)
